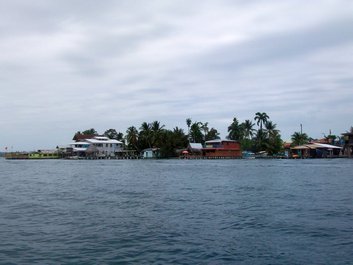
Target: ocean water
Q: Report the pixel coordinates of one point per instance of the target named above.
(176, 212)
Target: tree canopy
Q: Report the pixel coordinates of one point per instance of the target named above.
(266, 137)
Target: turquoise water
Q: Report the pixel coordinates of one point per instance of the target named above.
(176, 212)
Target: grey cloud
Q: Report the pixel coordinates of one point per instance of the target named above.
(280, 46)
(116, 64)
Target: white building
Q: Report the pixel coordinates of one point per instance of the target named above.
(98, 146)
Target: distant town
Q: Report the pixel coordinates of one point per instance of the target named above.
(256, 138)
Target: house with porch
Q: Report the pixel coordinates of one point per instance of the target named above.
(316, 150)
(222, 149)
(96, 147)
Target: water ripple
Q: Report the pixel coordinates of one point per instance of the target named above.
(176, 212)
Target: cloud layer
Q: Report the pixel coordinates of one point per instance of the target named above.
(71, 65)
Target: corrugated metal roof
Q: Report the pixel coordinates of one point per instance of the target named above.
(219, 141)
(196, 146)
(319, 145)
(110, 141)
(315, 146)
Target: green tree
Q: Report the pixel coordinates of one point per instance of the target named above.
(249, 130)
(170, 141)
(205, 129)
(261, 118)
(180, 138)
(299, 138)
(145, 136)
(261, 143)
(91, 131)
(111, 134)
(235, 130)
(212, 134)
(156, 130)
(188, 123)
(195, 132)
(270, 129)
(120, 137)
(132, 138)
(274, 141)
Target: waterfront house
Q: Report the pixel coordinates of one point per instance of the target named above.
(150, 153)
(315, 150)
(222, 149)
(195, 149)
(96, 147)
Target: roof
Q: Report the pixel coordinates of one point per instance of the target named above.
(101, 141)
(219, 141)
(347, 134)
(315, 146)
(319, 145)
(196, 146)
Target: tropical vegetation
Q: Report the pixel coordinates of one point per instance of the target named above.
(257, 134)
(265, 138)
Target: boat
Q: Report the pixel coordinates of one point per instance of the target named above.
(248, 155)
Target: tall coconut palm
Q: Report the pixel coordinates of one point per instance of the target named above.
(146, 133)
(188, 123)
(195, 132)
(204, 127)
(156, 129)
(132, 137)
(261, 118)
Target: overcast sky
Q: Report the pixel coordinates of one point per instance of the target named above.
(67, 66)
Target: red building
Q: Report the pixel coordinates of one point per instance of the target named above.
(222, 149)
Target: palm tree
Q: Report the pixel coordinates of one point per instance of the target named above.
(299, 138)
(195, 132)
(248, 129)
(180, 139)
(204, 127)
(132, 137)
(146, 133)
(261, 118)
(188, 123)
(156, 129)
(271, 129)
(235, 130)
